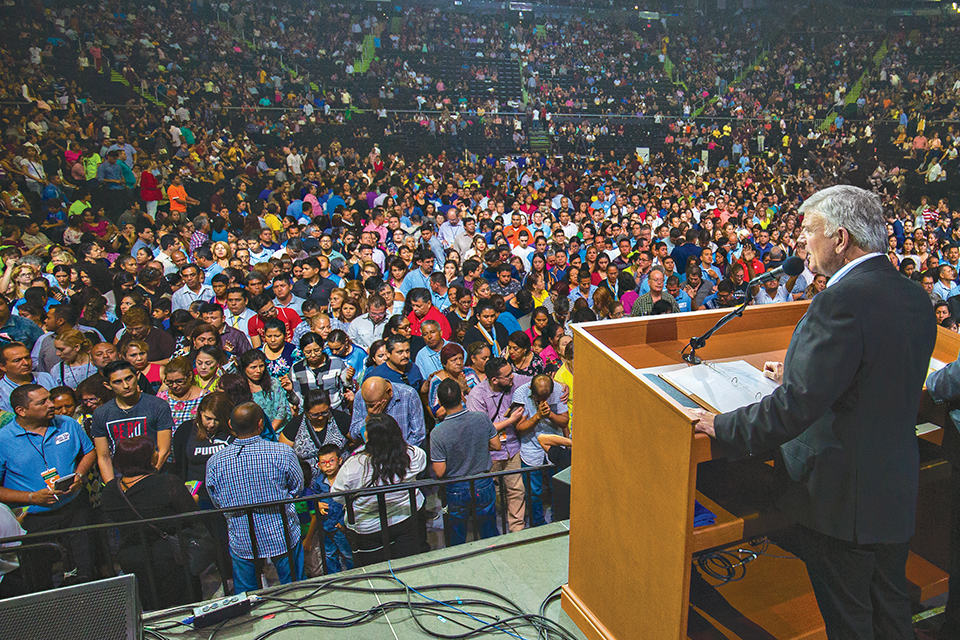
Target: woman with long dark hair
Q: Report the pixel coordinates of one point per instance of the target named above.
(208, 362)
(196, 440)
(279, 353)
(384, 460)
(265, 391)
(599, 270)
(123, 283)
(377, 355)
(538, 323)
(92, 261)
(63, 274)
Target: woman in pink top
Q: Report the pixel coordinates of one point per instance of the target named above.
(628, 299)
(311, 197)
(538, 323)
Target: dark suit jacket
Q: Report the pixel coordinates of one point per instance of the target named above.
(944, 387)
(845, 416)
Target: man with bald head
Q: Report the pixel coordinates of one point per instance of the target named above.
(378, 395)
(179, 259)
(544, 411)
(103, 353)
(251, 470)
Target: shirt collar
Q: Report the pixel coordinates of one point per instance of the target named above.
(835, 278)
(7, 381)
(51, 428)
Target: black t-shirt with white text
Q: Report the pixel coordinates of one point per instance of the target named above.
(145, 418)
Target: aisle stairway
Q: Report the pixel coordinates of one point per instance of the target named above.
(116, 76)
(539, 140)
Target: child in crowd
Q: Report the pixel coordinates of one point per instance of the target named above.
(336, 548)
(161, 312)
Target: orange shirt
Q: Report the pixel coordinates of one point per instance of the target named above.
(512, 234)
(174, 192)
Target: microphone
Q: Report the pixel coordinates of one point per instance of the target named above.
(792, 266)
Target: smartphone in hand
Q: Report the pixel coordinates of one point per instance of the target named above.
(64, 483)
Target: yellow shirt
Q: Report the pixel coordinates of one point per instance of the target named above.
(273, 223)
(206, 387)
(90, 166)
(564, 376)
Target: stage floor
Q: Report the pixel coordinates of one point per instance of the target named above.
(524, 566)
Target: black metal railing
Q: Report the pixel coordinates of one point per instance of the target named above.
(104, 535)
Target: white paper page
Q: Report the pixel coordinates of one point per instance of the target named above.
(723, 386)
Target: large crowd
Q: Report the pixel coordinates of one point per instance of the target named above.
(195, 317)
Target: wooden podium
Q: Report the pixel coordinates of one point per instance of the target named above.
(635, 478)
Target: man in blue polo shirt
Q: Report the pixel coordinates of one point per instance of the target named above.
(419, 278)
(37, 448)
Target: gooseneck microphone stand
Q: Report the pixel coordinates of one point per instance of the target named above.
(701, 341)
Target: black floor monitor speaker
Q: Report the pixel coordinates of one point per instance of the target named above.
(102, 610)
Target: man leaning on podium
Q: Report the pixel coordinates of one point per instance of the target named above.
(844, 419)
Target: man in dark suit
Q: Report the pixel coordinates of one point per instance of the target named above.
(844, 419)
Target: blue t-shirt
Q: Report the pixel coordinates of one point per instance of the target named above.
(683, 301)
(509, 322)
(354, 359)
(413, 376)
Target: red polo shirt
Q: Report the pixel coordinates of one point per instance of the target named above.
(758, 267)
(289, 317)
(432, 314)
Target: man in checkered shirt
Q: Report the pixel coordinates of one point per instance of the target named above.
(252, 470)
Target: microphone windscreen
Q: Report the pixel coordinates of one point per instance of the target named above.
(793, 266)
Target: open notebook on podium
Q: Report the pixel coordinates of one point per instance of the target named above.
(721, 386)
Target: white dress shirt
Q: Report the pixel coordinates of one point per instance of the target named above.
(835, 278)
(241, 322)
(363, 331)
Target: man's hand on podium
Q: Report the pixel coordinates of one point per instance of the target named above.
(774, 371)
(704, 421)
